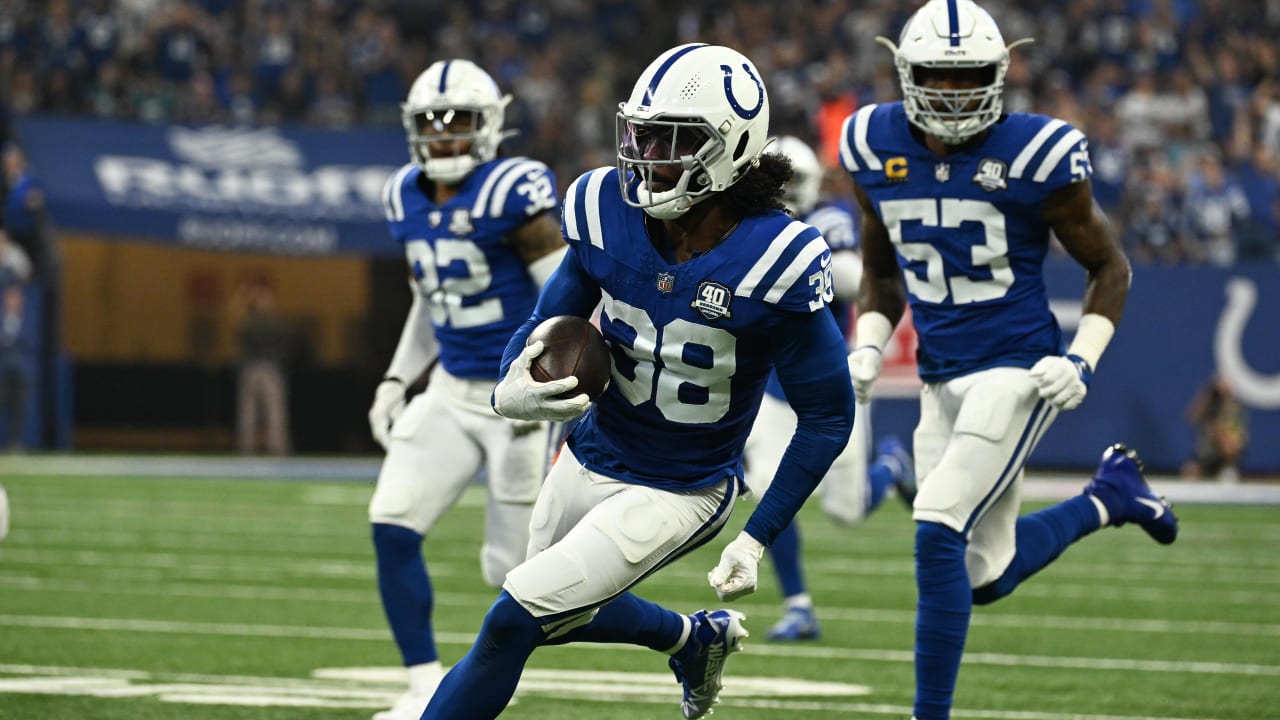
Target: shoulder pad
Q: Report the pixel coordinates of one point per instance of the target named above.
(393, 191)
(532, 181)
(785, 273)
(1055, 152)
(582, 206)
(855, 151)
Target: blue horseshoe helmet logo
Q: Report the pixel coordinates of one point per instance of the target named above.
(742, 112)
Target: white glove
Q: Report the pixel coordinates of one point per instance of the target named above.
(388, 403)
(1063, 380)
(520, 397)
(864, 368)
(735, 576)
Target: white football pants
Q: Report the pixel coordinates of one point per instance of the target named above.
(593, 537)
(438, 445)
(973, 439)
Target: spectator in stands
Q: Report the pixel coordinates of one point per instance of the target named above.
(1216, 208)
(24, 210)
(15, 350)
(1174, 75)
(1259, 234)
(262, 389)
(1222, 432)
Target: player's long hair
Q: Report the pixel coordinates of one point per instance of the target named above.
(760, 189)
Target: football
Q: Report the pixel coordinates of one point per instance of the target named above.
(571, 345)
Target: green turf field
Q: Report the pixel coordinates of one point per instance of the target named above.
(141, 599)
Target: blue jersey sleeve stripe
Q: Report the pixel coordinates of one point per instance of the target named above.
(503, 187)
(571, 210)
(1024, 158)
(752, 279)
(861, 120)
(1055, 155)
(795, 272)
(495, 174)
(846, 152)
(392, 195)
(594, 226)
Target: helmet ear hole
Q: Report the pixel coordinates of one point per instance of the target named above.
(742, 146)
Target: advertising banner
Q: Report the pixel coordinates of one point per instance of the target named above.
(294, 191)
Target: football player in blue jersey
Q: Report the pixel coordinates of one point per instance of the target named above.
(852, 489)
(481, 235)
(959, 202)
(704, 285)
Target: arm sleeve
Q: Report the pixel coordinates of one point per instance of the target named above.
(810, 359)
(417, 347)
(569, 291)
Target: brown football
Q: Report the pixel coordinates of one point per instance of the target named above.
(571, 345)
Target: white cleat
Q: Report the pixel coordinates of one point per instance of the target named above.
(408, 706)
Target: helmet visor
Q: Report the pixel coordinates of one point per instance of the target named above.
(663, 153)
(444, 132)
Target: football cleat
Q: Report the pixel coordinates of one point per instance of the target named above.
(891, 453)
(699, 665)
(799, 623)
(1120, 487)
(408, 706)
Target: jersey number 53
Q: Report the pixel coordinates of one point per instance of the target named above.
(935, 286)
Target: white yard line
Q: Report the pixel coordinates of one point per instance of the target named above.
(19, 583)
(370, 687)
(1037, 486)
(826, 653)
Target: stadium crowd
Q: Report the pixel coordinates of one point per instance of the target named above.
(1181, 98)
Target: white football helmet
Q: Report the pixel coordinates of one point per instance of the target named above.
(698, 110)
(453, 102)
(951, 34)
(801, 192)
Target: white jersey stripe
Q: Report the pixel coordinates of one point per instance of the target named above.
(571, 211)
(779, 245)
(482, 197)
(1055, 155)
(802, 260)
(593, 207)
(503, 188)
(1024, 158)
(860, 121)
(392, 198)
(846, 153)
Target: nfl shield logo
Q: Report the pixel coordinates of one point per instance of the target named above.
(942, 172)
(666, 282)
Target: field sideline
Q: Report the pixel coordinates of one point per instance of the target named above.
(126, 592)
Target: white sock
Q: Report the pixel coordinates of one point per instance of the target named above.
(424, 678)
(1104, 517)
(803, 601)
(684, 636)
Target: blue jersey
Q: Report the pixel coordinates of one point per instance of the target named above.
(968, 231)
(693, 343)
(835, 221)
(476, 287)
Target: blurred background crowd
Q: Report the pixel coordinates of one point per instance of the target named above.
(1181, 98)
(135, 340)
